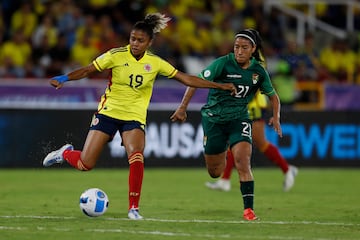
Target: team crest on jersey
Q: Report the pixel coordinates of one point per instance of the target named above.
(255, 78)
(207, 73)
(147, 67)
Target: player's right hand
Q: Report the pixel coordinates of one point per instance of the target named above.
(179, 115)
(230, 87)
(58, 81)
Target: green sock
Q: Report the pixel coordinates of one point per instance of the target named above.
(247, 191)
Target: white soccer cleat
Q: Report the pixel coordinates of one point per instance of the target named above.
(290, 178)
(221, 184)
(56, 156)
(133, 214)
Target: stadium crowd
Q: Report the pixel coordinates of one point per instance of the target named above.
(43, 38)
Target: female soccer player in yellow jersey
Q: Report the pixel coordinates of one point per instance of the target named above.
(225, 119)
(123, 106)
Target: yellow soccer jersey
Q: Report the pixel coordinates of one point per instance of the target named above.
(128, 94)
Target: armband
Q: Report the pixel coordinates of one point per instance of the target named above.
(61, 78)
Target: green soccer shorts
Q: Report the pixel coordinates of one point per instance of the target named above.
(219, 136)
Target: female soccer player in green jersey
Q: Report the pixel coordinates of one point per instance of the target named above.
(225, 118)
(257, 109)
(123, 106)
(258, 115)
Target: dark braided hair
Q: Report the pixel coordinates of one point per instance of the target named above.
(255, 39)
(152, 24)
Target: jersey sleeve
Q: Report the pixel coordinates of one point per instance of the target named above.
(266, 85)
(166, 69)
(104, 61)
(214, 70)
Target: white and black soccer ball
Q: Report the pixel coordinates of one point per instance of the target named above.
(94, 202)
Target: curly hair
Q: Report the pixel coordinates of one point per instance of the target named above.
(152, 24)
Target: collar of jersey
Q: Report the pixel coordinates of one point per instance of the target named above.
(252, 61)
(132, 57)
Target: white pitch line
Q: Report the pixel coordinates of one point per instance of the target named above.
(160, 233)
(36, 217)
(195, 220)
(247, 222)
(157, 233)
(12, 228)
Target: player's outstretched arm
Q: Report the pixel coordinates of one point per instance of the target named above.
(180, 113)
(58, 81)
(193, 81)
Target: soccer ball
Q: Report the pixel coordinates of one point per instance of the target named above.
(94, 202)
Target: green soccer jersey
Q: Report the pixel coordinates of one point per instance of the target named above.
(221, 106)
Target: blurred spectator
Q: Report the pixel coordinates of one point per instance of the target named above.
(107, 38)
(227, 11)
(25, 19)
(15, 55)
(69, 17)
(187, 31)
(311, 50)
(88, 28)
(272, 29)
(121, 25)
(300, 62)
(339, 60)
(60, 57)
(41, 58)
(272, 57)
(83, 51)
(223, 37)
(253, 13)
(46, 29)
(285, 84)
(166, 51)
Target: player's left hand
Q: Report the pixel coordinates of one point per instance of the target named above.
(275, 122)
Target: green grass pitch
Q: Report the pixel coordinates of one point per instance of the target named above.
(44, 204)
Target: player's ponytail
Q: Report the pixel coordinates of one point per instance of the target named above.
(152, 24)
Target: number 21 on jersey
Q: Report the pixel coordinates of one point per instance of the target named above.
(242, 91)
